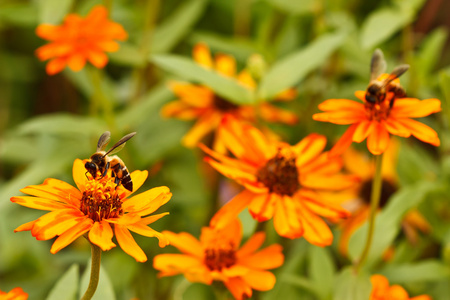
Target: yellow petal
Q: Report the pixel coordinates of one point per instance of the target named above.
(128, 244)
(72, 234)
(101, 235)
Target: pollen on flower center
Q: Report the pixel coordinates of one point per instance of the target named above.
(378, 111)
(280, 175)
(217, 259)
(223, 104)
(101, 200)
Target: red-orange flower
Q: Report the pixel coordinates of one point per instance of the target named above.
(382, 291)
(200, 103)
(281, 181)
(14, 294)
(375, 121)
(217, 256)
(79, 40)
(97, 206)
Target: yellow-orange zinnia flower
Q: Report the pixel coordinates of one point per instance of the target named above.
(382, 291)
(197, 102)
(357, 198)
(281, 181)
(92, 209)
(375, 121)
(79, 40)
(217, 256)
(14, 294)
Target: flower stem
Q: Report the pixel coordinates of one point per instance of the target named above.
(96, 253)
(374, 203)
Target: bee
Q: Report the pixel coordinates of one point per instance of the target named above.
(377, 89)
(100, 161)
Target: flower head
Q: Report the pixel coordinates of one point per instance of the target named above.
(281, 181)
(375, 121)
(200, 103)
(218, 257)
(94, 209)
(79, 40)
(382, 291)
(14, 294)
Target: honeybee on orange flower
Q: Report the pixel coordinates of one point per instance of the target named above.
(100, 161)
(379, 87)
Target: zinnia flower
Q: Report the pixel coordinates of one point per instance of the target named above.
(357, 198)
(197, 102)
(281, 181)
(79, 40)
(382, 291)
(94, 208)
(14, 294)
(217, 257)
(375, 121)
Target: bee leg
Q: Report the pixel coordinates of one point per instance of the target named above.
(117, 181)
(85, 174)
(106, 169)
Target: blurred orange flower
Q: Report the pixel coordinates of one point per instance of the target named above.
(281, 181)
(79, 40)
(93, 208)
(382, 291)
(217, 256)
(375, 121)
(200, 103)
(14, 294)
(357, 198)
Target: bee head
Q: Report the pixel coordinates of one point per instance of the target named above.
(91, 167)
(371, 98)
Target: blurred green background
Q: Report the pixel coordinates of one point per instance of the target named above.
(320, 47)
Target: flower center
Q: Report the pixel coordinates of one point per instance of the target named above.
(280, 175)
(101, 200)
(222, 104)
(387, 189)
(217, 259)
(379, 111)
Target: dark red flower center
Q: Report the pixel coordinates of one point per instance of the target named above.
(101, 199)
(280, 175)
(387, 189)
(217, 259)
(223, 104)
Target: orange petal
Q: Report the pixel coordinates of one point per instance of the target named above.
(316, 231)
(361, 95)
(309, 148)
(260, 280)
(414, 108)
(128, 244)
(25, 227)
(151, 219)
(138, 178)
(193, 95)
(191, 267)
(421, 297)
(421, 131)
(341, 105)
(186, 243)
(378, 140)
(148, 201)
(231, 235)
(398, 293)
(344, 142)
(333, 182)
(363, 130)
(396, 128)
(262, 207)
(79, 174)
(252, 244)
(234, 173)
(285, 219)
(48, 31)
(239, 288)
(340, 117)
(149, 232)
(246, 79)
(231, 209)
(101, 235)
(72, 234)
(76, 62)
(272, 113)
(14, 294)
(39, 203)
(55, 65)
(56, 223)
(202, 55)
(55, 189)
(180, 110)
(226, 65)
(268, 258)
(204, 125)
(97, 58)
(322, 207)
(231, 162)
(350, 225)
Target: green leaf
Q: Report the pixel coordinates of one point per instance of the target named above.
(352, 286)
(104, 289)
(382, 24)
(430, 52)
(295, 7)
(292, 69)
(387, 223)
(429, 270)
(53, 11)
(302, 283)
(228, 88)
(177, 25)
(322, 270)
(67, 286)
(20, 14)
(128, 55)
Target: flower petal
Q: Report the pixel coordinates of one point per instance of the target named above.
(344, 142)
(363, 130)
(204, 125)
(378, 140)
(149, 232)
(260, 280)
(39, 203)
(79, 174)
(191, 267)
(414, 108)
(186, 243)
(202, 55)
(267, 258)
(231, 209)
(56, 223)
(101, 235)
(72, 234)
(239, 288)
(262, 207)
(225, 65)
(146, 199)
(286, 219)
(316, 231)
(128, 244)
(309, 148)
(252, 244)
(421, 131)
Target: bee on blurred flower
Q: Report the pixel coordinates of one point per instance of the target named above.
(381, 85)
(100, 161)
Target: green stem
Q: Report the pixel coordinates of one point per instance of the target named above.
(374, 204)
(96, 253)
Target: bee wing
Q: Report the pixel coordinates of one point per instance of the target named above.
(396, 73)
(120, 144)
(377, 64)
(103, 141)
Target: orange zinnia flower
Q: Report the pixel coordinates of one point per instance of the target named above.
(217, 256)
(14, 294)
(382, 291)
(201, 103)
(281, 181)
(375, 121)
(93, 208)
(79, 39)
(357, 199)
